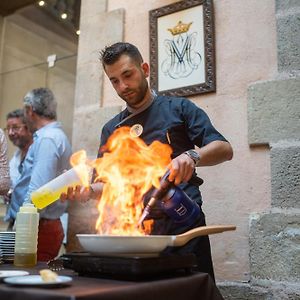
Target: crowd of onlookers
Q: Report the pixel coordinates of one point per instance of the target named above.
(43, 153)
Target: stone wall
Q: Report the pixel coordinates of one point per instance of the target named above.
(274, 115)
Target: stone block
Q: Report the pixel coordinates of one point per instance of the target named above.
(88, 123)
(239, 291)
(285, 175)
(89, 8)
(89, 83)
(285, 294)
(284, 5)
(96, 33)
(260, 290)
(274, 240)
(288, 42)
(274, 111)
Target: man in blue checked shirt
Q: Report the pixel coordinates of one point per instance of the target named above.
(46, 159)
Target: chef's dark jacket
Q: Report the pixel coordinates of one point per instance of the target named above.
(170, 120)
(180, 123)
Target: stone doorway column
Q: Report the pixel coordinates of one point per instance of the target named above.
(98, 28)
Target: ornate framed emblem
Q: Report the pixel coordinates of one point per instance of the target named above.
(182, 48)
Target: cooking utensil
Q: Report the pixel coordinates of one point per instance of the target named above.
(150, 245)
(129, 268)
(157, 194)
(55, 264)
(173, 200)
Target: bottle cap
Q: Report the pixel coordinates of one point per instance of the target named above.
(28, 208)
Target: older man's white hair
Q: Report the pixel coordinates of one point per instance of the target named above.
(42, 102)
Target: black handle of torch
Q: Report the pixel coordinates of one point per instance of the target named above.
(159, 193)
(165, 186)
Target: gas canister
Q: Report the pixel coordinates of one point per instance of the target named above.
(180, 207)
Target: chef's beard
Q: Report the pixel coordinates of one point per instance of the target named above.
(139, 96)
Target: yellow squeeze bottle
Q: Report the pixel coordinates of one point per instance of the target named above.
(27, 224)
(51, 191)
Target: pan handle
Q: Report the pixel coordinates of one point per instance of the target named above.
(182, 239)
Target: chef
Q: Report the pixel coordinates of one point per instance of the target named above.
(176, 121)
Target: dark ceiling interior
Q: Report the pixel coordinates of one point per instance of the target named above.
(8, 7)
(48, 15)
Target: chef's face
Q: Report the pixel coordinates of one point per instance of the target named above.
(129, 80)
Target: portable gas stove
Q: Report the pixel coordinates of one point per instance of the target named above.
(129, 268)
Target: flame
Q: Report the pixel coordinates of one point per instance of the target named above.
(82, 166)
(129, 168)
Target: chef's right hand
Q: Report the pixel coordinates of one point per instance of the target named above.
(181, 169)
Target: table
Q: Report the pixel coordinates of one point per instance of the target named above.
(190, 287)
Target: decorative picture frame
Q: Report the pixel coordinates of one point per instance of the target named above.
(182, 48)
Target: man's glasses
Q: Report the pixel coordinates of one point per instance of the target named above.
(13, 128)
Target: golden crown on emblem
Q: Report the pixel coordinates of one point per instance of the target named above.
(180, 28)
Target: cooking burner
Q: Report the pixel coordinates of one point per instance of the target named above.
(129, 268)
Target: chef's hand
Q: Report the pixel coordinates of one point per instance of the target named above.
(83, 194)
(181, 169)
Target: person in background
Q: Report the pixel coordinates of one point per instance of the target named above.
(4, 169)
(46, 159)
(19, 134)
(173, 120)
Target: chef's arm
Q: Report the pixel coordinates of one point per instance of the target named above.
(182, 167)
(214, 153)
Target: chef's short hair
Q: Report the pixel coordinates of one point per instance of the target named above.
(42, 102)
(110, 54)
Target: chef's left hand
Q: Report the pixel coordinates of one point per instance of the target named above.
(181, 169)
(83, 194)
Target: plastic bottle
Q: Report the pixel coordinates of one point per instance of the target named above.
(27, 224)
(51, 191)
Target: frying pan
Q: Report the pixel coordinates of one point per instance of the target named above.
(150, 245)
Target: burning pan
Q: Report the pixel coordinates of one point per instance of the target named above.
(150, 245)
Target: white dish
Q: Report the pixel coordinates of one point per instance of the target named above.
(36, 280)
(10, 273)
(8, 236)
